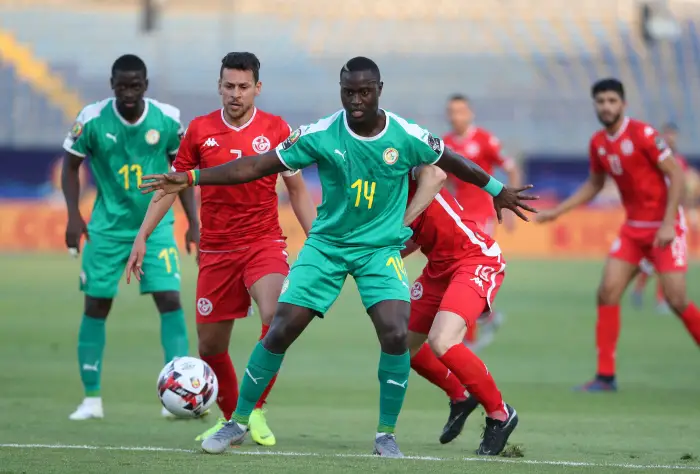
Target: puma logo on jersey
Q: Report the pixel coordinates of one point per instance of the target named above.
(211, 142)
(111, 137)
(342, 155)
(394, 382)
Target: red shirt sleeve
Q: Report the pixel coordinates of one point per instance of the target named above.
(596, 166)
(652, 145)
(284, 130)
(188, 155)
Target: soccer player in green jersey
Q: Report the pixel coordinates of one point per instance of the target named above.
(125, 138)
(364, 155)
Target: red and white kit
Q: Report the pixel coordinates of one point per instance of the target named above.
(465, 267)
(631, 157)
(241, 238)
(485, 150)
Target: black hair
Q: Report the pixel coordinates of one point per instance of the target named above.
(129, 63)
(608, 85)
(458, 97)
(361, 64)
(241, 62)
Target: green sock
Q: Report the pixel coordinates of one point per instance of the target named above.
(173, 334)
(262, 366)
(393, 382)
(91, 344)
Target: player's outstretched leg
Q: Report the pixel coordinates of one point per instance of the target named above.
(264, 363)
(390, 319)
(445, 339)
(91, 344)
(173, 330)
(427, 365)
(674, 287)
(617, 275)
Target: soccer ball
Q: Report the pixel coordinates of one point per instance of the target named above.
(187, 387)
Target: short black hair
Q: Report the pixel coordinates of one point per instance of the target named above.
(361, 64)
(608, 85)
(241, 61)
(458, 98)
(129, 63)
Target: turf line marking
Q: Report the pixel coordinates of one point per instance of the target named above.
(339, 455)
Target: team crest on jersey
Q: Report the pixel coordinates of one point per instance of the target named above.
(204, 306)
(77, 130)
(627, 147)
(152, 136)
(473, 149)
(601, 151)
(391, 156)
(292, 139)
(417, 291)
(261, 144)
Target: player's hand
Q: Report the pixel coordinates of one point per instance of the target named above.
(665, 235)
(512, 198)
(549, 215)
(192, 240)
(162, 184)
(74, 231)
(135, 262)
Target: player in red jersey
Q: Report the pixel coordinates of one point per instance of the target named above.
(242, 248)
(669, 132)
(650, 182)
(464, 272)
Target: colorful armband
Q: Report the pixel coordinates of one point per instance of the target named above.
(493, 187)
(193, 177)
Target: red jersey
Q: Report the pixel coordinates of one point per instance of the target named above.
(234, 216)
(631, 157)
(447, 236)
(485, 150)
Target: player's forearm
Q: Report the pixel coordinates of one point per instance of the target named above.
(430, 180)
(583, 195)
(304, 209)
(189, 205)
(70, 184)
(242, 170)
(676, 190)
(155, 213)
(465, 170)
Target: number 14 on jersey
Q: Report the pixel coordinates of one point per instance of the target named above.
(368, 192)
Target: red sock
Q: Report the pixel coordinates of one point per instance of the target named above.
(228, 383)
(427, 365)
(607, 331)
(641, 282)
(474, 375)
(263, 397)
(660, 297)
(691, 319)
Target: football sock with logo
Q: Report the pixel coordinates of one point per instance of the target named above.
(228, 383)
(91, 345)
(263, 397)
(607, 332)
(691, 319)
(263, 365)
(427, 365)
(474, 375)
(393, 381)
(173, 334)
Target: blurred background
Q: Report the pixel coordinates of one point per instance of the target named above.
(526, 65)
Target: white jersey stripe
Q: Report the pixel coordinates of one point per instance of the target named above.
(493, 251)
(493, 281)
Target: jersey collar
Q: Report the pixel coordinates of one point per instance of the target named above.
(366, 139)
(125, 121)
(238, 129)
(620, 130)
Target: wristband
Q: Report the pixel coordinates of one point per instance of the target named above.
(189, 178)
(493, 187)
(193, 177)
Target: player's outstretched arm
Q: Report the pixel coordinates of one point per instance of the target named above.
(584, 194)
(190, 207)
(430, 179)
(301, 201)
(70, 184)
(504, 197)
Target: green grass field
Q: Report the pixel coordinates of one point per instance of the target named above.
(324, 407)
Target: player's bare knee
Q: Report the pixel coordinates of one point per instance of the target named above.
(97, 307)
(394, 339)
(608, 295)
(677, 300)
(167, 301)
(440, 342)
(209, 343)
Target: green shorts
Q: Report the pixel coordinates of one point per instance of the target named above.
(104, 262)
(318, 275)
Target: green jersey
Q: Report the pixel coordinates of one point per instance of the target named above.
(364, 179)
(121, 153)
